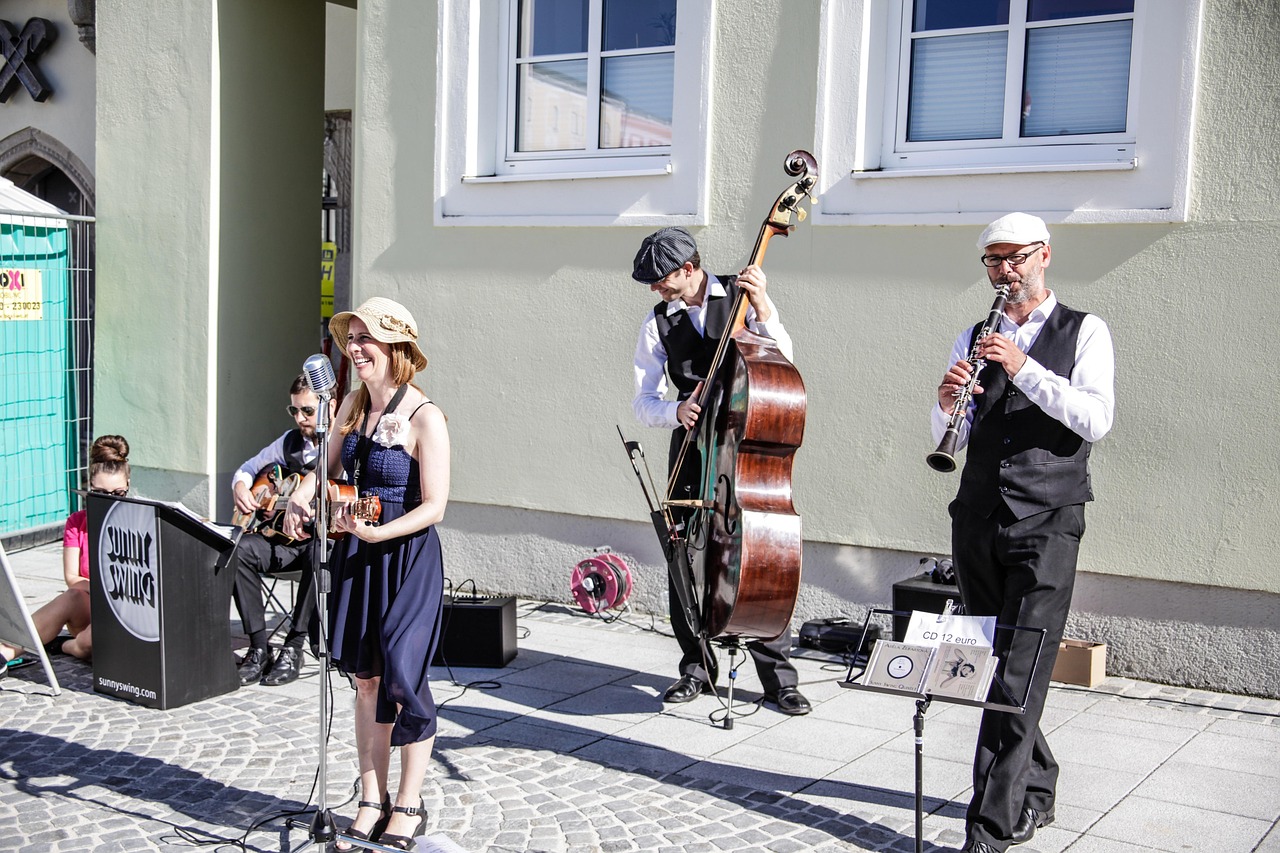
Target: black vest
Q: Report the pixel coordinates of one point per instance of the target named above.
(293, 445)
(689, 354)
(1018, 455)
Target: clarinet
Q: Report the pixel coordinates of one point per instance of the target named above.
(943, 459)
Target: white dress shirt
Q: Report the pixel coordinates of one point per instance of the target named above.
(1084, 403)
(272, 454)
(649, 403)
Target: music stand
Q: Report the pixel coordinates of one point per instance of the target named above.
(1012, 706)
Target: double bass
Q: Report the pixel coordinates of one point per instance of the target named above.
(745, 530)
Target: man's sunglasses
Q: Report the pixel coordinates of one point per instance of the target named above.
(306, 410)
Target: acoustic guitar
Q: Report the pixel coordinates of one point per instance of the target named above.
(270, 488)
(362, 509)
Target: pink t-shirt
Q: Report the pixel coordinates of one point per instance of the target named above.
(76, 535)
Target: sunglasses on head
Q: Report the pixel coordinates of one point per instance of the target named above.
(119, 493)
(306, 410)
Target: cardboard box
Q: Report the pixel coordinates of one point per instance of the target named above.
(1080, 662)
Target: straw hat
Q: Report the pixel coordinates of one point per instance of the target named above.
(387, 320)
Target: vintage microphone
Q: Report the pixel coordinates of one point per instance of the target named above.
(320, 377)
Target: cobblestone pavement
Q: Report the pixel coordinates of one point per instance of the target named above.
(569, 749)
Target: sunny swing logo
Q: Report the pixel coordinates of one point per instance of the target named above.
(127, 567)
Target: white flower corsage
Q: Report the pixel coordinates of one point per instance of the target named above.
(392, 430)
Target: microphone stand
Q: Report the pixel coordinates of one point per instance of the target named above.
(323, 829)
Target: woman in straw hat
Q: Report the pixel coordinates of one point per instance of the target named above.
(388, 578)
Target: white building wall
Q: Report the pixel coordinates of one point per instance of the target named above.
(530, 333)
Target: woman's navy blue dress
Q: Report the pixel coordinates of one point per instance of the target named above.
(385, 617)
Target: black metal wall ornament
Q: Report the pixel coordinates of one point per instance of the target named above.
(19, 51)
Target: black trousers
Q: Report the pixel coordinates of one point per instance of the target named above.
(1023, 573)
(257, 555)
(772, 658)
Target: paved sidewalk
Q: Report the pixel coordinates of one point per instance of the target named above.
(570, 750)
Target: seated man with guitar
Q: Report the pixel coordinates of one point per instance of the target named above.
(261, 488)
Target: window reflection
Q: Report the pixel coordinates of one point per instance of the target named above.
(954, 14)
(635, 101)
(1052, 10)
(633, 24)
(549, 27)
(545, 92)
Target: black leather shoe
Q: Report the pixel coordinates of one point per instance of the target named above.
(1029, 822)
(791, 701)
(254, 665)
(685, 690)
(286, 668)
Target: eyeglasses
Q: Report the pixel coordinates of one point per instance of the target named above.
(119, 493)
(1014, 259)
(306, 410)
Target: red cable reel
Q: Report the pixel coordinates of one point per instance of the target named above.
(602, 582)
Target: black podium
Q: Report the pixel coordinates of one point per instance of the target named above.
(161, 582)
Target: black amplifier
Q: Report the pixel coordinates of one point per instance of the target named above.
(477, 631)
(923, 594)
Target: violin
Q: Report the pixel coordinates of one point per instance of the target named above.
(752, 422)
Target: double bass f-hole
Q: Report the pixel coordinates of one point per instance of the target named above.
(726, 504)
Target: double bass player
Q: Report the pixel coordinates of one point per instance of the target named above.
(677, 342)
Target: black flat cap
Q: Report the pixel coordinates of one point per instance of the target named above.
(662, 253)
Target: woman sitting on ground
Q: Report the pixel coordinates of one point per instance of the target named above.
(109, 474)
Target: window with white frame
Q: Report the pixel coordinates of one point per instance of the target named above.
(1012, 74)
(943, 111)
(574, 112)
(589, 78)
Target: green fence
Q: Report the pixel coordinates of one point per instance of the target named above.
(44, 343)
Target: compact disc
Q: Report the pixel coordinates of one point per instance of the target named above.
(900, 666)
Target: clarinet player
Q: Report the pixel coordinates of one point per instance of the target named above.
(1044, 395)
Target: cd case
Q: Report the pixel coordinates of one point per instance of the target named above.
(898, 666)
(961, 671)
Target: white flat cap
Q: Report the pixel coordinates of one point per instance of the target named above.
(1018, 228)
